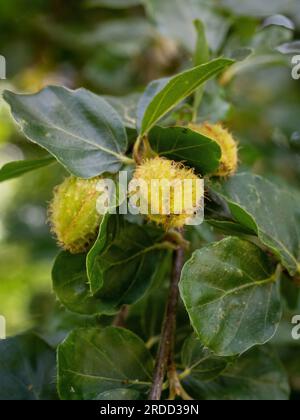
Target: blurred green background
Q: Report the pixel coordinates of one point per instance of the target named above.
(115, 47)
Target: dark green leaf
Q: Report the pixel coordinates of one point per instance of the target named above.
(183, 144)
(70, 283)
(291, 294)
(290, 48)
(126, 107)
(27, 369)
(214, 105)
(258, 375)
(122, 262)
(178, 88)
(15, 169)
(95, 363)
(258, 204)
(79, 128)
(232, 296)
(260, 8)
(199, 363)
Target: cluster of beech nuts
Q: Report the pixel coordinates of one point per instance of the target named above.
(73, 214)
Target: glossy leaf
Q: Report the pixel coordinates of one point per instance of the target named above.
(27, 369)
(185, 145)
(18, 168)
(199, 362)
(256, 376)
(151, 91)
(258, 204)
(232, 296)
(178, 88)
(259, 8)
(79, 128)
(113, 4)
(103, 364)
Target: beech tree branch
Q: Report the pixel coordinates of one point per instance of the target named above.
(120, 318)
(166, 344)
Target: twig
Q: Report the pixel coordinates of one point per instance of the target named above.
(120, 319)
(168, 329)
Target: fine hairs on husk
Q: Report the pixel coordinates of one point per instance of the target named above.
(159, 169)
(73, 215)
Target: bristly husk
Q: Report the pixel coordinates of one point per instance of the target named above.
(73, 215)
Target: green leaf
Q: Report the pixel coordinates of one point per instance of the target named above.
(119, 394)
(79, 128)
(122, 262)
(232, 296)
(201, 56)
(126, 107)
(151, 91)
(279, 20)
(199, 362)
(258, 204)
(178, 88)
(70, 283)
(175, 18)
(93, 363)
(27, 369)
(18, 168)
(183, 144)
(257, 375)
(260, 8)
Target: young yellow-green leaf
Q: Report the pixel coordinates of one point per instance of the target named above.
(122, 262)
(178, 88)
(231, 292)
(258, 204)
(256, 376)
(79, 128)
(27, 369)
(18, 168)
(183, 144)
(103, 364)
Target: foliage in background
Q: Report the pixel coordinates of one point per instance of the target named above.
(116, 49)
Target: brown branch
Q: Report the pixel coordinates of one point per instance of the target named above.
(120, 318)
(166, 344)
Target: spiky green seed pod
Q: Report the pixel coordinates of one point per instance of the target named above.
(73, 215)
(175, 173)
